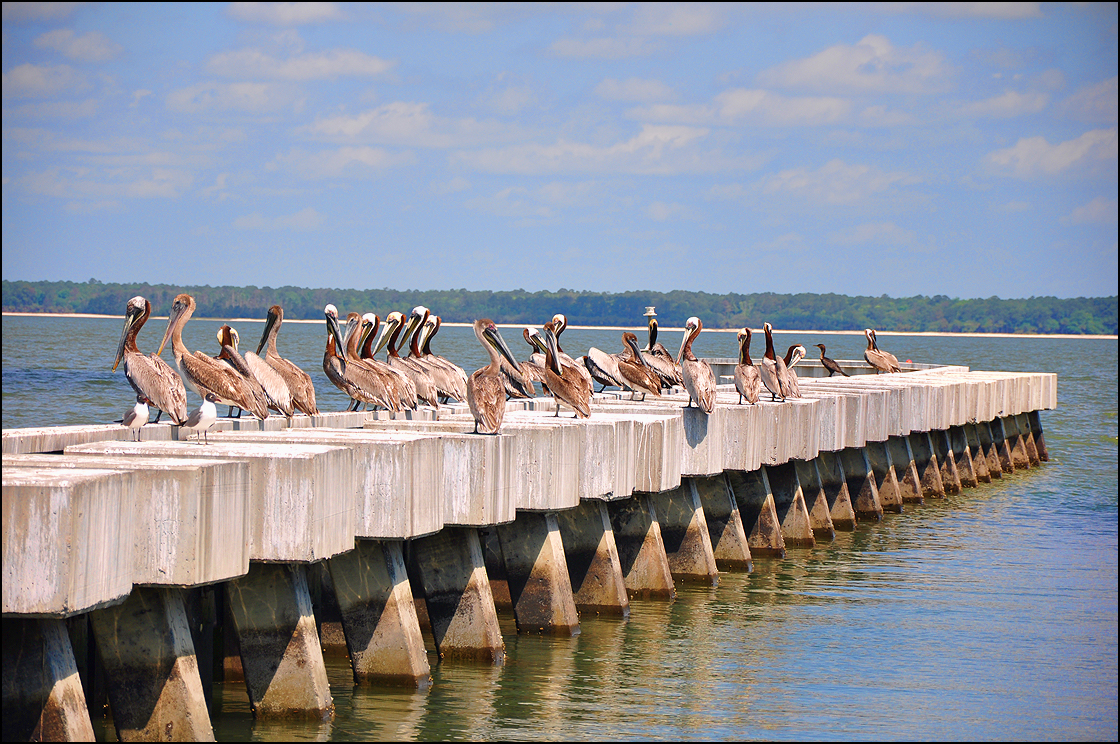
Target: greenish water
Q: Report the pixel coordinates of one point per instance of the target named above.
(988, 615)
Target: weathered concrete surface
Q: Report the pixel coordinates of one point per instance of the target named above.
(379, 615)
(943, 448)
(886, 481)
(303, 494)
(537, 575)
(280, 653)
(1025, 433)
(756, 507)
(988, 448)
(68, 539)
(906, 472)
(57, 438)
(1035, 422)
(43, 697)
(641, 550)
(789, 503)
(725, 523)
(1002, 445)
(192, 520)
(958, 440)
(861, 484)
(594, 568)
(925, 461)
(151, 671)
(835, 486)
(820, 515)
(684, 531)
(976, 450)
(451, 573)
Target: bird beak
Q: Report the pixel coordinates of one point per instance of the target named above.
(176, 311)
(499, 343)
(130, 318)
(268, 323)
(386, 332)
(333, 329)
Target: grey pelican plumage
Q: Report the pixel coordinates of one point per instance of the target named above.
(696, 374)
(794, 355)
(334, 363)
(202, 418)
(564, 381)
(275, 388)
(559, 324)
(148, 374)
(450, 379)
(374, 386)
(228, 353)
(604, 368)
(203, 373)
(299, 382)
(830, 364)
(747, 379)
(486, 393)
(773, 369)
(881, 361)
(658, 357)
(398, 382)
(394, 326)
(639, 377)
(137, 416)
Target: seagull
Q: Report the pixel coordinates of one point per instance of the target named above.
(202, 418)
(138, 416)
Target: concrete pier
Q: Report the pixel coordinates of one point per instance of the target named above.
(725, 524)
(641, 549)
(537, 575)
(760, 517)
(789, 504)
(594, 568)
(684, 530)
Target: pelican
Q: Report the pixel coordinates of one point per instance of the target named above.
(334, 364)
(230, 356)
(274, 386)
(747, 379)
(399, 383)
(486, 394)
(374, 386)
(881, 361)
(450, 379)
(891, 359)
(203, 373)
(639, 377)
(137, 416)
(794, 355)
(564, 382)
(696, 374)
(658, 357)
(559, 324)
(299, 382)
(394, 325)
(148, 374)
(202, 418)
(431, 328)
(604, 368)
(830, 364)
(773, 370)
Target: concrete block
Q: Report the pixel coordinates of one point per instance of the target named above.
(906, 472)
(988, 448)
(725, 523)
(789, 503)
(886, 481)
(946, 459)
(1035, 423)
(641, 549)
(756, 507)
(594, 568)
(1002, 445)
(1025, 433)
(925, 461)
(537, 575)
(820, 514)
(684, 530)
(862, 487)
(963, 456)
(976, 450)
(835, 487)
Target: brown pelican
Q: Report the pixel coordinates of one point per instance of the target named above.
(486, 393)
(696, 374)
(639, 377)
(604, 368)
(431, 328)
(299, 382)
(564, 382)
(881, 361)
(794, 355)
(334, 364)
(399, 383)
(394, 325)
(137, 416)
(203, 373)
(559, 324)
(148, 374)
(830, 364)
(773, 369)
(658, 357)
(747, 379)
(375, 386)
(891, 359)
(202, 418)
(450, 379)
(275, 389)
(230, 355)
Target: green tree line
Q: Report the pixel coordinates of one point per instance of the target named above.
(824, 312)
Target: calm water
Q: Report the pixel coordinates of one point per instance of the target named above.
(989, 615)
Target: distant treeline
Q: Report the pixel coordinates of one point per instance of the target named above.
(828, 312)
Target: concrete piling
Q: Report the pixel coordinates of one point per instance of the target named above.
(1016, 443)
(943, 448)
(756, 506)
(1024, 426)
(684, 530)
(886, 480)
(861, 483)
(835, 486)
(641, 549)
(537, 575)
(1034, 420)
(789, 504)
(963, 457)
(988, 447)
(925, 461)
(820, 517)
(906, 471)
(592, 556)
(1002, 445)
(725, 523)
(976, 449)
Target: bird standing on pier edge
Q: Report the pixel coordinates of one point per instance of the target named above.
(830, 364)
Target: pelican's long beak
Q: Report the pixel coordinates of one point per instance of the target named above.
(129, 319)
(680, 353)
(495, 339)
(390, 325)
(334, 329)
(268, 323)
(176, 311)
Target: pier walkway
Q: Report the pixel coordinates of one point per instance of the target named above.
(142, 571)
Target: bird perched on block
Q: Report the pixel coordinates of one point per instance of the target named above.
(830, 364)
(138, 416)
(202, 418)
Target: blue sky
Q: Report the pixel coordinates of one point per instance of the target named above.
(963, 149)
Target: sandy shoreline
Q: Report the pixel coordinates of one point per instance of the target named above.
(640, 326)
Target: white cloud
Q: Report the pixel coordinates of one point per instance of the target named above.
(250, 97)
(412, 125)
(836, 182)
(285, 14)
(675, 19)
(604, 48)
(108, 184)
(879, 233)
(1093, 102)
(1009, 104)
(633, 89)
(871, 65)
(254, 63)
(740, 106)
(1034, 155)
(93, 47)
(1100, 210)
(1000, 11)
(38, 81)
(306, 219)
(38, 11)
(344, 162)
